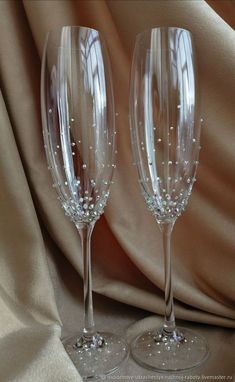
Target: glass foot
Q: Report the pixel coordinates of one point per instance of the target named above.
(96, 356)
(161, 352)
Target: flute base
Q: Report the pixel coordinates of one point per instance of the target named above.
(96, 356)
(159, 351)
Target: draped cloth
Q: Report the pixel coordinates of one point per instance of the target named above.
(41, 260)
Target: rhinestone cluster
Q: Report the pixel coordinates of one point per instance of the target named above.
(86, 209)
(165, 208)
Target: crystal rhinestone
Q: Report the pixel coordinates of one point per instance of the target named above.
(84, 166)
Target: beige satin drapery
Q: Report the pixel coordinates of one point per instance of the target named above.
(127, 251)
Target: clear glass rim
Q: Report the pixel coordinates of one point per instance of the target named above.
(57, 29)
(54, 31)
(164, 27)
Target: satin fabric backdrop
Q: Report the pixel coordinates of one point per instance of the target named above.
(41, 264)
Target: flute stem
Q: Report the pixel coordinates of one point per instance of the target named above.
(85, 231)
(169, 323)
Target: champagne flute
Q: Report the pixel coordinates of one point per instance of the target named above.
(79, 136)
(165, 129)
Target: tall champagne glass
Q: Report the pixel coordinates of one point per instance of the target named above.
(165, 129)
(79, 135)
